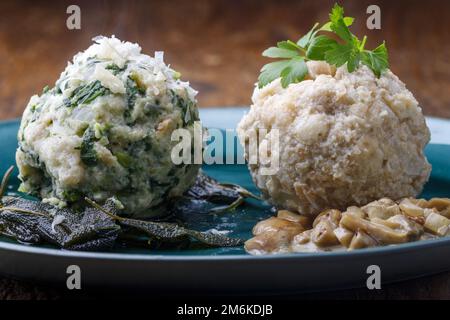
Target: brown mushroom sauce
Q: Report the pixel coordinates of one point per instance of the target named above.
(379, 223)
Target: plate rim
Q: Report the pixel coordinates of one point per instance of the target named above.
(383, 250)
(393, 249)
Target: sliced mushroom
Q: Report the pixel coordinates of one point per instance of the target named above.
(302, 243)
(331, 215)
(355, 211)
(410, 209)
(322, 235)
(413, 229)
(381, 222)
(419, 202)
(274, 224)
(295, 217)
(440, 204)
(272, 235)
(428, 236)
(267, 243)
(303, 237)
(344, 236)
(427, 212)
(361, 240)
(382, 209)
(437, 224)
(380, 232)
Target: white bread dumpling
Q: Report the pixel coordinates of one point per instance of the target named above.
(345, 139)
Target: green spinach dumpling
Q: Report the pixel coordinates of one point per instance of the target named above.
(105, 130)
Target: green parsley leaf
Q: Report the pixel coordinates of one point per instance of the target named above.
(348, 21)
(274, 52)
(377, 60)
(319, 46)
(352, 51)
(290, 71)
(294, 72)
(271, 71)
(339, 54)
(288, 44)
(306, 39)
(353, 61)
(327, 26)
(338, 25)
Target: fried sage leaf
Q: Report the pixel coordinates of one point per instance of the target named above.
(171, 232)
(96, 228)
(4, 182)
(32, 222)
(209, 189)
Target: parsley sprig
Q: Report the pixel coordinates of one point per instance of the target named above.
(318, 45)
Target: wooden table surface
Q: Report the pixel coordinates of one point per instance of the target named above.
(216, 44)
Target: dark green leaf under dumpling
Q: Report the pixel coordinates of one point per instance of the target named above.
(207, 188)
(87, 230)
(171, 232)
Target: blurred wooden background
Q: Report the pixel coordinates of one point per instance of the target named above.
(216, 44)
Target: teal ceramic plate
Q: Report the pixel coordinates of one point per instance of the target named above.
(231, 269)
